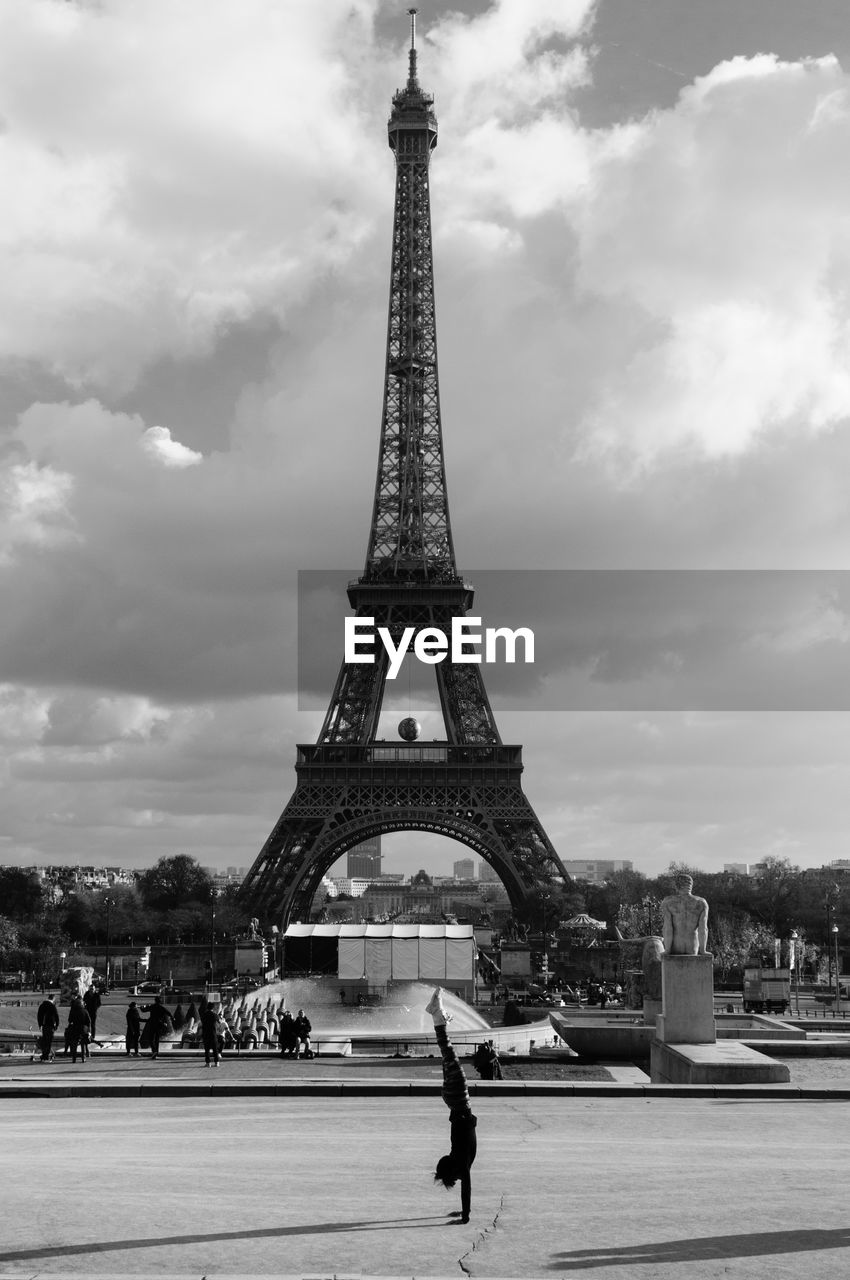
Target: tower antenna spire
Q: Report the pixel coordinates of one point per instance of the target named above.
(411, 79)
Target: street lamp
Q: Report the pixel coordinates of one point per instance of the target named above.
(213, 896)
(837, 987)
(108, 901)
(795, 966)
(829, 898)
(544, 961)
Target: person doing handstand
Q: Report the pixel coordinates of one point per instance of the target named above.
(456, 1165)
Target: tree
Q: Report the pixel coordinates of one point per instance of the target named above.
(821, 903)
(640, 919)
(79, 914)
(620, 888)
(175, 882)
(549, 907)
(20, 893)
(9, 940)
(83, 914)
(776, 895)
(186, 923)
(230, 914)
(736, 938)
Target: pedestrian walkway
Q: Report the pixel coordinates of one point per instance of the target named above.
(623, 1185)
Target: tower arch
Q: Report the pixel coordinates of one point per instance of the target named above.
(305, 882)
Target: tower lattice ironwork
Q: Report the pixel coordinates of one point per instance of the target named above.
(349, 785)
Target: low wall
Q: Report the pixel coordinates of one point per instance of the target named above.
(615, 1040)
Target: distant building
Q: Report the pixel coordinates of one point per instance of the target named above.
(840, 864)
(364, 860)
(351, 886)
(595, 870)
(355, 886)
(737, 868)
(464, 869)
(487, 873)
(424, 896)
(59, 880)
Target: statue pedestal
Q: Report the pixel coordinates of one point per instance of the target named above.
(651, 1010)
(685, 1049)
(687, 1000)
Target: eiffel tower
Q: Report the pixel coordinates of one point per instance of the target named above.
(349, 785)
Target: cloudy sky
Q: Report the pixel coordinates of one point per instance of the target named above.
(642, 239)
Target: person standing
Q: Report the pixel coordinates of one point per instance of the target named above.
(48, 1022)
(486, 1061)
(92, 1002)
(225, 1035)
(482, 1060)
(286, 1036)
(134, 1029)
(303, 1027)
(495, 1062)
(159, 1022)
(209, 1031)
(79, 1025)
(464, 1141)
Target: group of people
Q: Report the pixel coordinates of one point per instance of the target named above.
(601, 993)
(159, 1023)
(293, 1035)
(81, 1029)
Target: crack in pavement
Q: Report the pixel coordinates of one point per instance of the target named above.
(526, 1117)
(477, 1244)
(482, 1239)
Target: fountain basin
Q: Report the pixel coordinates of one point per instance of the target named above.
(615, 1040)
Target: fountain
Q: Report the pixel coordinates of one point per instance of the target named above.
(399, 1013)
(365, 989)
(397, 1020)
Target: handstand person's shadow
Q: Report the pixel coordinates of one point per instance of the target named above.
(220, 1237)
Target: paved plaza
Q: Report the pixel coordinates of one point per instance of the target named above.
(618, 1184)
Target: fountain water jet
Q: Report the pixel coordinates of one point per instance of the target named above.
(401, 1012)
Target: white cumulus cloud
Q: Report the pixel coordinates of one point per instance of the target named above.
(719, 227)
(176, 167)
(157, 443)
(34, 506)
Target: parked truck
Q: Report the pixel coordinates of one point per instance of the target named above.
(766, 990)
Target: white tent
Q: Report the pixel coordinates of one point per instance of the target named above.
(401, 952)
